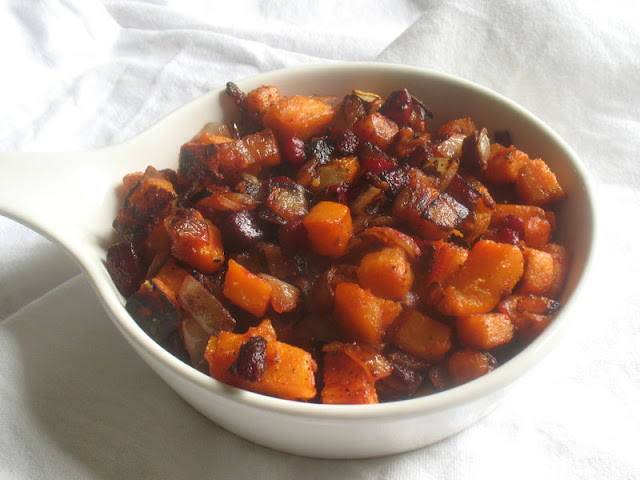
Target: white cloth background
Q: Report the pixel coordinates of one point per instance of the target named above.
(75, 400)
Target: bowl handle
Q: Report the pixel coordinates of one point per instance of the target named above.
(53, 193)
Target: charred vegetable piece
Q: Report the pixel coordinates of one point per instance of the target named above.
(445, 212)
(195, 240)
(284, 200)
(154, 308)
(475, 151)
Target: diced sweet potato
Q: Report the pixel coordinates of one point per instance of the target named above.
(346, 381)
(261, 98)
(361, 315)
(537, 231)
(446, 259)
(524, 212)
(298, 116)
(377, 129)
(460, 126)
(530, 314)
(387, 273)
(329, 228)
(485, 330)
(369, 357)
(284, 296)
(172, 276)
(250, 153)
(490, 272)
(504, 163)
(246, 290)
(195, 240)
(422, 336)
(412, 201)
(561, 262)
(155, 310)
(288, 371)
(468, 364)
(198, 161)
(538, 272)
(206, 138)
(336, 172)
(537, 184)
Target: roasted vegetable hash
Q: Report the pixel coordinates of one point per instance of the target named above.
(341, 250)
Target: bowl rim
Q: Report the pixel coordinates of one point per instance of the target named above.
(478, 388)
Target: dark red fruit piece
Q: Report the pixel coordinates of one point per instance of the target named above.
(506, 235)
(347, 142)
(398, 107)
(250, 363)
(293, 151)
(514, 223)
(125, 267)
(292, 236)
(337, 193)
(376, 165)
(240, 230)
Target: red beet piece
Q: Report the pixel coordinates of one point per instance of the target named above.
(125, 267)
(293, 151)
(398, 107)
(240, 230)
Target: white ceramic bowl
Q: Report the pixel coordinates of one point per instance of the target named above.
(77, 209)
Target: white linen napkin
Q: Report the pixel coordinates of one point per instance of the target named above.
(75, 400)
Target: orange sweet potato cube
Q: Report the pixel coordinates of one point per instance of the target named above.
(329, 228)
(468, 364)
(195, 240)
(206, 138)
(289, 372)
(387, 273)
(538, 272)
(361, 315)
(485, 330)
(446, 259)
(346, 382)
(491, 271)
(246, 290)
(261, 98)
(504, 163)
(298, 116)
(561, 262)
(537, 231)
(537, 184)
(377, 129)
(422, 336)
(460, 126)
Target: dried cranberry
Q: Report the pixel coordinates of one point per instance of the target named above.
(293, 151)
(250, 362)
(398, 107)
(506, 235)
(376, 165)
(514, 223)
